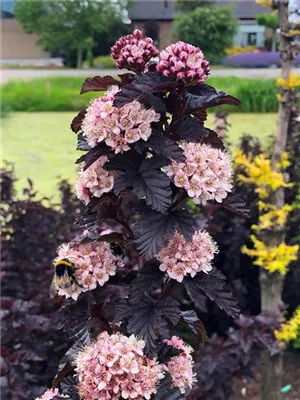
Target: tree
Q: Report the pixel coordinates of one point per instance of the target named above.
(141, 262)
(270, 21)
(69, 25)
(190, 5)
(211, 29)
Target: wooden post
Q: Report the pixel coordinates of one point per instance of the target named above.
(271, 283)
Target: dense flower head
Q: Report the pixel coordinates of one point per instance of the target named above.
(93, 264)
(133, 51)
(50, 394)
(205, 174)
(94, 181)
(117, 127)
(181, 367)
(180, 258)
(184, 61)
(115, 367)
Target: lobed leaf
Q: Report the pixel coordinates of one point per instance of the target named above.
(166, 390)
(214, 286)
(191, 319)
(98, 83)
(141, 87)
(193, 130)
(147, 182)
(155, 228)
(77, 121)
(237, 205)
(204, 96)
(145, 317)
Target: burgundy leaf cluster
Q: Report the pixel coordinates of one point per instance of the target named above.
(31, 345)
(143, 141)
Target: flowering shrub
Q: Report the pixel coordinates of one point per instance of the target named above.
(260, 59)
(133, 51)
(118, 127)
(181, 367)
(205, 174)
(184, 61)
(180, 258)
(136, 138)
(258, 171)
(94, 181)
(94, 263)
(114, 367)
(235, 50)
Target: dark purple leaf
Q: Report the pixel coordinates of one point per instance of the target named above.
(126, 78)
(166, 390)
(191, 319)
(207, 98)
(68, 386)
(141, 86)
(165, 352)
(143, 283)
(214, 286)
(93, 155)
(163, 146)
(193, 130)
(98, 83)
(144, 318)
(237, 205)
(147, 182)
(77, 121)
(82, 144)
(155, 228)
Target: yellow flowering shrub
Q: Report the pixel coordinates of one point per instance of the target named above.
(235, 50)
(289, 330)
(265, 3)
(273, 259)
(291, 83)
(258, 171)
(272, 216)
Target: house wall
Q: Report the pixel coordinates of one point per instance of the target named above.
(15, 43)
(165, 29)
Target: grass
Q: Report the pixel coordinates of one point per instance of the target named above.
(42, 146)
(62, 94)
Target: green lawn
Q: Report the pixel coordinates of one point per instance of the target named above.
(41, 145)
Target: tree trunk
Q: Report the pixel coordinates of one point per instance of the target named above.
(271, 284)
(274, 40)
(79, 58)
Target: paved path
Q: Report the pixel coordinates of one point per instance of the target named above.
(10, 74)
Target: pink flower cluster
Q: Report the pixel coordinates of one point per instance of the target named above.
(205, 175)
(93, 262)
(180, 258)
(117, 127)
(50, 394)
(114, 367)
(133, 51)
(94, 181)
(184, 61)
(181, 367)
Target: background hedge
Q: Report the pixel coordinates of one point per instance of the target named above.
(62, 94)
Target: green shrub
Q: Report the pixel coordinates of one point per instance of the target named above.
(104, 62)
(45, 94)
(62, 94)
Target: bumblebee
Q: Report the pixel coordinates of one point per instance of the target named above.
(117, 248)
(63, 277)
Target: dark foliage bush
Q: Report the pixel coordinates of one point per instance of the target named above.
(31, 343)
(261, 59)
(221, 359)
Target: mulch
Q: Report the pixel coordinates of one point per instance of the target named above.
(245, 390)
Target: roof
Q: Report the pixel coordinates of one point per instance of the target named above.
(165, 9)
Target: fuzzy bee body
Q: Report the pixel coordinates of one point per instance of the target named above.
(63, 277)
